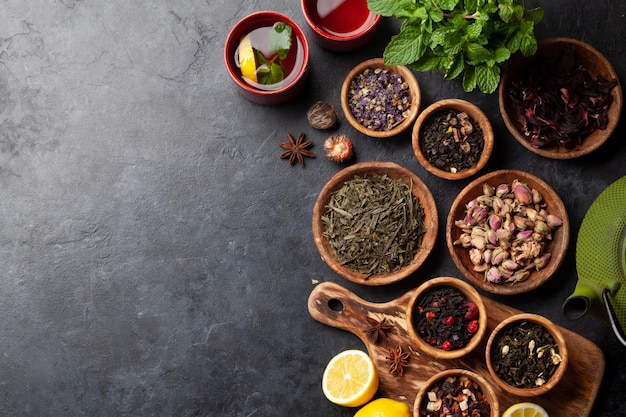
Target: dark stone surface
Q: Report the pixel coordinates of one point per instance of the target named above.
(157, 254)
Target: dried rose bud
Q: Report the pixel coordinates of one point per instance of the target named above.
(553, 221)
(494, 275)
(502, 190)
(522, 192)
(338, 148)
(495, 222)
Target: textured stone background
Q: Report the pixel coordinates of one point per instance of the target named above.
(157, 255)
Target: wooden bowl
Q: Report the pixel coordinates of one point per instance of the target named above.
(557, 246)
(393, 171)
(470, 294)
(476, 114)
(595, 63)
(556, 334)
(407, 76)
(490, 396)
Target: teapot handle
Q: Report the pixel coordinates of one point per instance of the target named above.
(610, 312)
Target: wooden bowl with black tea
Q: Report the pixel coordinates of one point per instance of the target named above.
(580, 95)
(374, 85)
(526, 355)
(446, 318)
(453, 139)
(375, 223)
(508, 232)
(482, 395)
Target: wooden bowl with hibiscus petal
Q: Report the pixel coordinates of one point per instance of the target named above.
(571, 121)
(322, 235)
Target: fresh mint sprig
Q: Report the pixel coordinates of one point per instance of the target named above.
(471, 39)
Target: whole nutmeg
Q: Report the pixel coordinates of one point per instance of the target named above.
(322, 115)
(338, 148)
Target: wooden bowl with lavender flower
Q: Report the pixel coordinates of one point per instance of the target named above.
(375, 223)
(579, 92)
(379, 100)
(508, 232)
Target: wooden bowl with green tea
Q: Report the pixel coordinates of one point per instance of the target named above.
(526, 355)
(375, 223)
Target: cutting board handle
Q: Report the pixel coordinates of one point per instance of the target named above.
(336, 306)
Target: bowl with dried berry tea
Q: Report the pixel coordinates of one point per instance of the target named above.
(563, 102)
(456, 392)
(375, 223)
(526, 355)
(380, 100)
(507, 232)
(267, 57)
(446, 318)
(452, 139)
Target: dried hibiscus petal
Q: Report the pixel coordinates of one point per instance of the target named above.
(558, 102)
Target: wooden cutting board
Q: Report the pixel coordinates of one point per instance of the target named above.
(334, 305)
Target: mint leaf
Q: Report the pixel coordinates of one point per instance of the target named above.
(455, 68)
(487, 78)
(446, 4)
(502, 55)
(528, 45)
(534, 15)
(477, 53)
(469, 79)
(280, 39)
(398, 8)
(405, 47)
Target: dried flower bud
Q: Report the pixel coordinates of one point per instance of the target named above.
(498, 256)
(510, 265)
(502, 190)
(541, 261)
(505, 350)
(476, 256)
(522, 192)
(542, 227)
(492, 237)
(524, 235)
(322, 115)
(495, 222)
(553, 221)
(465, 240)
(487, 254)
(537, 198)
(493, 275)
(488, 190)
(338, 148)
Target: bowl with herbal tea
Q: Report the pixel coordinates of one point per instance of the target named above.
(379, 100)
(563, 102)
(446, 318)
(375, 223)
(452, 139)
(508, 232)
(456, 392)
(267, 57)
(526, 355)
(342, 25)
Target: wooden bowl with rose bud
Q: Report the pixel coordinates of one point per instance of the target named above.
(508, 232)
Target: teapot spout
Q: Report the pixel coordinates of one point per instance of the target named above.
(584, 300)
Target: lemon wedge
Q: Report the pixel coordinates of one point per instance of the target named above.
(350, 378)
(384, 407)
(247, 62)
(525, 410)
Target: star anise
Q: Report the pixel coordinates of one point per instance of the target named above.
(296, 149)
(397, 360)
(377, 329)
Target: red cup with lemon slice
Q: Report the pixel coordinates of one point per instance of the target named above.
(267, 57)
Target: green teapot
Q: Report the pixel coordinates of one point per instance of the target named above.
(601, 261)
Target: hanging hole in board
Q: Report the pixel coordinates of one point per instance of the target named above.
(335, 305)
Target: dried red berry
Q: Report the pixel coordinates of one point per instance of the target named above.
(472, 326)
(449, 321)
(430, 315)
(338, 148)
(472, 310)
(446, 345)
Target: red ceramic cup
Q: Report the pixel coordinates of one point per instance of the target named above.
(296, 77)
(340, 25)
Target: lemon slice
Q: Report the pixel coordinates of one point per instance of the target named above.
(350, 378)
(247, 63)
(384, 407)
(525, 410)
